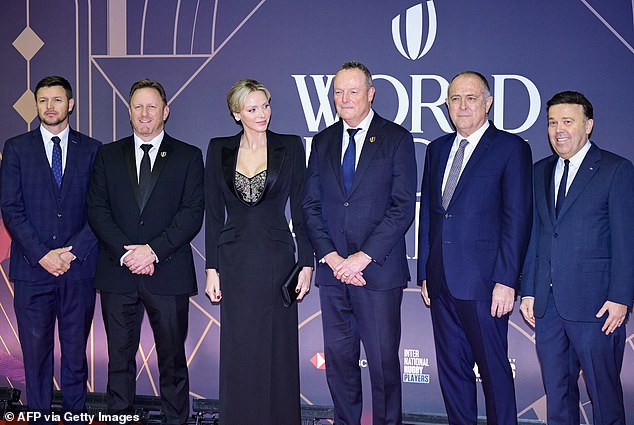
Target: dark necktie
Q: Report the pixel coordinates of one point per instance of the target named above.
(561, 192)
(145, 171)
(454, 174)
(56, 161)
(349, 159)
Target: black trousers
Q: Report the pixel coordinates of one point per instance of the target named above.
(168, 315)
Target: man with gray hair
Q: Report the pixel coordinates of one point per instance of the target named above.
(360, 200)
(475, 219)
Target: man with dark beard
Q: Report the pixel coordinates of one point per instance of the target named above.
(43, 185)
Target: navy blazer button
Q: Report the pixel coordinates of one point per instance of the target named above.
(141, 223)
(59, 215)
(54, 237)
(346, 204)
(555, 235)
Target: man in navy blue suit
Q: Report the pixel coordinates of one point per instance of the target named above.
(579, 273)
(359, 202)
(44, 182)
(475, 219)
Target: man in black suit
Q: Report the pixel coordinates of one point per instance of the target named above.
(145, 206)
(45, 177)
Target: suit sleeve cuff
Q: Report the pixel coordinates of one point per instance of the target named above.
(123, 257)
(153, 253)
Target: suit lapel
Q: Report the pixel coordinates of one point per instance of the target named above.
(549, 187)
(443, 158)
(72, 153)
(587, 170)
(334, 152)
(128, 155)
(483, 146)
(39, 153)
(275, 152)
(370, 145)
(229, 159)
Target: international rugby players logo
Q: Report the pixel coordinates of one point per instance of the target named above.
(414, 31)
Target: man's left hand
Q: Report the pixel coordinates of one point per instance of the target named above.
(503, 299)
(139, 259)
(616, 316)
(351, 269)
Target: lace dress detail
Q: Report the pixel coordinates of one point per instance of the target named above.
(250, 189)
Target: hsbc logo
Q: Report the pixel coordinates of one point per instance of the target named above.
(319, 361)
(414, 31)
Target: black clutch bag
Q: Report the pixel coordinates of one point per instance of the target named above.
(288, 286)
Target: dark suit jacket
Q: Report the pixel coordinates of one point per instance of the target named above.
(377, 212)
(481, 238)
(285, 165)
(39, 216)
(588, 251)
(167, 220)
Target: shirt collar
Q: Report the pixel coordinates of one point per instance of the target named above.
(578, 158)
(475, 137)
(47, 135)
(155, 142)
(363, 125)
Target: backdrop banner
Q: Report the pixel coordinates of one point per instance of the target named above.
(198, 49)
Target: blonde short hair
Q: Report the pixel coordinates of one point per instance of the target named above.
(239, 92)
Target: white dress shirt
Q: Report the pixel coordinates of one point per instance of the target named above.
(48, 144)
(138, 152)
(359, 137)
(573, 167)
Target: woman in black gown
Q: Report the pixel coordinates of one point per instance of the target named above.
(250, 251)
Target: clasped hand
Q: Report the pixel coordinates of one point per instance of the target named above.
(348, 270)
(140, 259)
(57, 261)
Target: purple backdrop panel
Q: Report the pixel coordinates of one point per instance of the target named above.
(199, 49)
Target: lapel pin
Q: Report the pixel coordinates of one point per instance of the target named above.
(163, 154)
(372, 139)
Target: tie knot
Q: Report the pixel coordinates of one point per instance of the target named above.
(566, 163)
(463, 143)
(56, 140)
(353, 131)
(146, 147)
